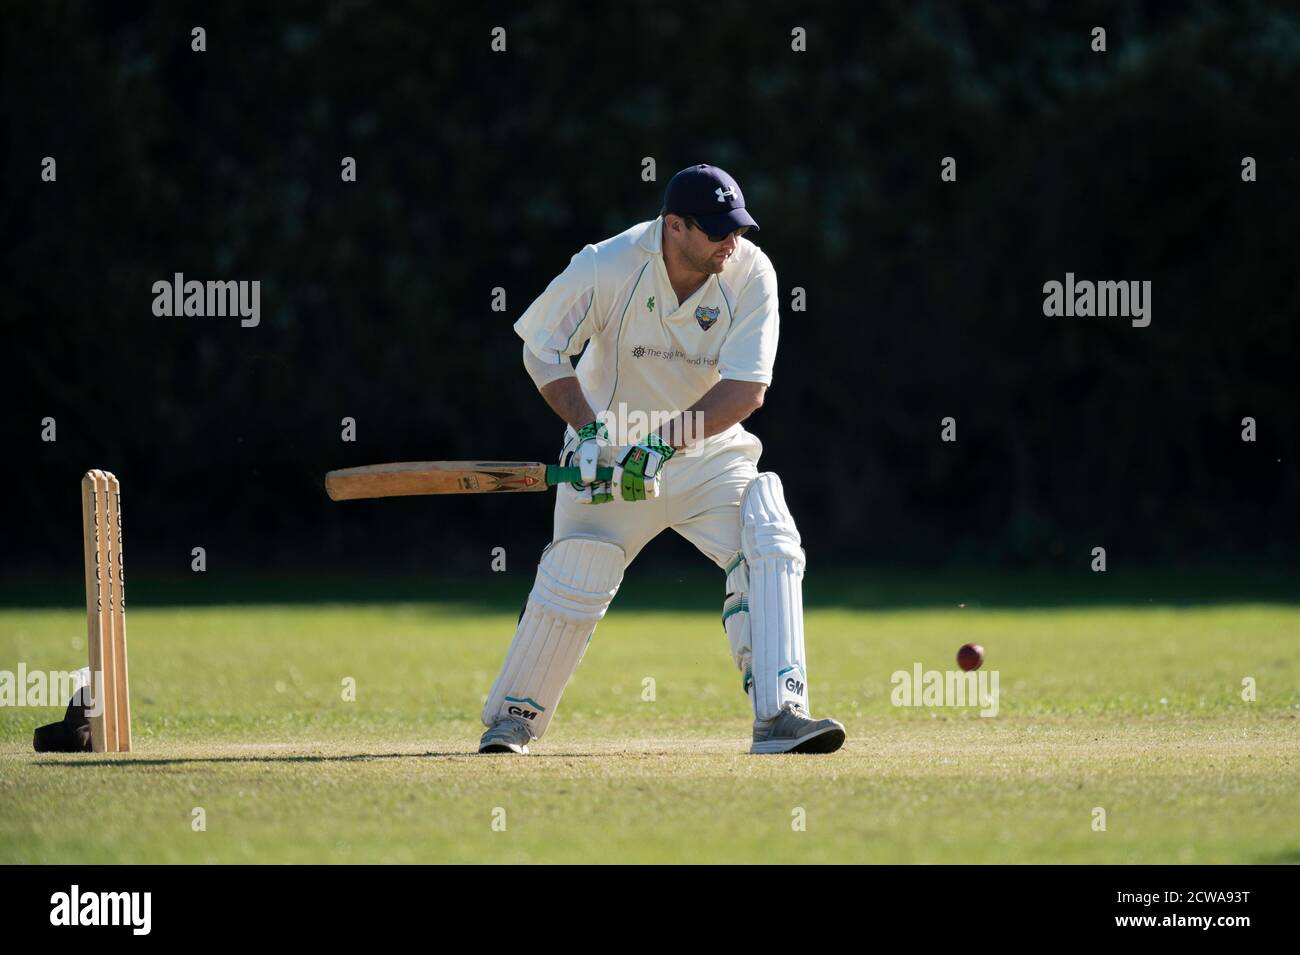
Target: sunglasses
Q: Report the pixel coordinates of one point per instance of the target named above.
(691, 222)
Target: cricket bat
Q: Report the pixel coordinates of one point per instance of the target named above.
(404, 479)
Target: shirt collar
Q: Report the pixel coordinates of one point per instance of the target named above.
(652, 239)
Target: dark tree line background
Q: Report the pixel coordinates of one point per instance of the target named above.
(479, 170)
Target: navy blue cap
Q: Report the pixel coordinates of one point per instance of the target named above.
(711, 197)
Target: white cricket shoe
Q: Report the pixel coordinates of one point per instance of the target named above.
(794, 731)
(506, 735)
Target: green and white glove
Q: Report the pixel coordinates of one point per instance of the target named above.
(585, 456)
(636, 472)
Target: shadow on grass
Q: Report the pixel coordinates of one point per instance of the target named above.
(355, 758)
(701, 589)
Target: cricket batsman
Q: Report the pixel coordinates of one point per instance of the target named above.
(679, 320)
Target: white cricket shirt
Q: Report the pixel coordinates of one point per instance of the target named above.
(649, 356)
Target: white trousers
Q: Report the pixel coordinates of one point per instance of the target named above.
(699, 499)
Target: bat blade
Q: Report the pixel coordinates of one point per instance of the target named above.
(408, 478)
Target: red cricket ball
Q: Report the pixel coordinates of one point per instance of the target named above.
(970, 656)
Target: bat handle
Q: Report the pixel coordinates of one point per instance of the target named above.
(556, 474)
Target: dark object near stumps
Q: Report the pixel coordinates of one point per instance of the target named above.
(70, 735)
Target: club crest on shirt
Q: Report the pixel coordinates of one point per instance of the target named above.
(707, 316)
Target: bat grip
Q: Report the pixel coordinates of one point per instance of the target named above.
(556, 474)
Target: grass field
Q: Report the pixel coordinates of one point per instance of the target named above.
(239, 712)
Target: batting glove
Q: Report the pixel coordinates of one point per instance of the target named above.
(636, 472)
(585, 457)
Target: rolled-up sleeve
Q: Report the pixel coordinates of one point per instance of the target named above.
(558, 324)
(749, 351)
